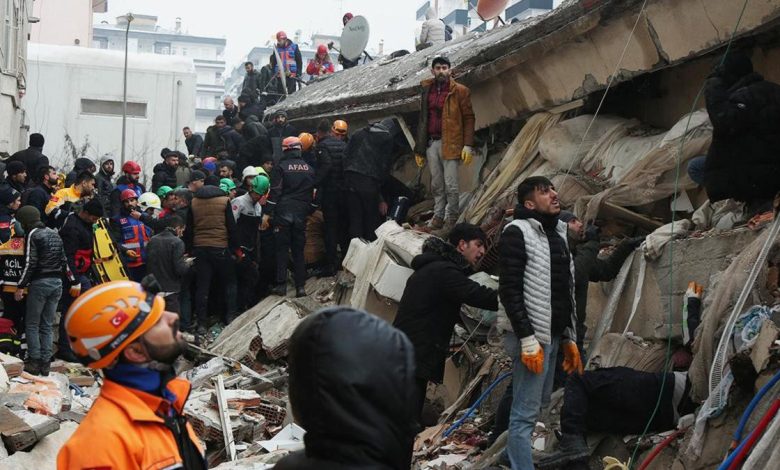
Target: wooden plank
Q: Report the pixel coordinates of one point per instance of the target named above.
(224, 419)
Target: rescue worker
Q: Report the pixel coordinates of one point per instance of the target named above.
(445, 136)
(292, 63)
(133, 236)
(321, 63)
(346, 63)
(11, 256)
(248, 212)
(194, 142)
(131, 171)
(290, 202)
(308, 151)
(334, 195)
(62, 202)
(78, 241)
(229, 187)
(138, 419)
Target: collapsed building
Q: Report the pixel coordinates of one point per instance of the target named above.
(538, 90)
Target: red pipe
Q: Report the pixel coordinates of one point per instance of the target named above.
(657, 450)
(762, 425)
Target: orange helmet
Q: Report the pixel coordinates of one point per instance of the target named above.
(105, 319)
(291, 143)
(340, 127)
(307, 140)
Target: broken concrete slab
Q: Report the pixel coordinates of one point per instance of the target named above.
(44, 455)
(13, 365)
(235, 339)
(277, 327)
(389, 278)
(21, 429)
(48, 395)
(761, 351)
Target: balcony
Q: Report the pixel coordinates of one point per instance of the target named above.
(457, 17)
(523, 5)
(422, 10)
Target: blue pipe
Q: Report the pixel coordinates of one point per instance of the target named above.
(753, 403)
(484, 395)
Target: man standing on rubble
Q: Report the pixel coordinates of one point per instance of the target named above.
(138, 420)
(433, 296)
(445, 136)
(536, 287)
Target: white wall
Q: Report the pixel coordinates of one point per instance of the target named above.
(63, 22)
(54, 106)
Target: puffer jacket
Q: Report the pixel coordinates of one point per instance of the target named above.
(536, 283)
(103, 187)
(457, 121)
(44, 256)
(432, 31)
(356, 417)
(742, 162)
(431, 304)
(330, 158)
(371, 150)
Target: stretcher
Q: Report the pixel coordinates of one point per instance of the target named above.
(106, 263)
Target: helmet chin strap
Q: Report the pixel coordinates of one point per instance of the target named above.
(156, 365)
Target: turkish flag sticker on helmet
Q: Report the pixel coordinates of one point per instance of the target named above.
(119, 318)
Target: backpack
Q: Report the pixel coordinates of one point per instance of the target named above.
(447, 32)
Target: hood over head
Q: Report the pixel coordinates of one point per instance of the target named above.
(352, 389)
(83, 164)
(436, 249)
(208, 192)
(430, 14)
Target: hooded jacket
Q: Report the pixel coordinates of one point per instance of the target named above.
(742, 161)
(431, 303)
(432, 31)
(103, 187)
(537, 276)
(330, 161)
(32, 157)
(81, 164)
(255, 151)
(166, 260)
(164, 175)
(352, 389)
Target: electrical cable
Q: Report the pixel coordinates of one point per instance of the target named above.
(749, 410)
(657, 450)
(668, 357)
(735, 459)
(473, 407)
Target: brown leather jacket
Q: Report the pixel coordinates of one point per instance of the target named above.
(457, 121)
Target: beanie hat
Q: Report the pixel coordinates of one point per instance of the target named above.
(8, 194)
(15, 167)
(567, 216)
(36, 140)
(28, 216)
(197, 175)
(94, 207)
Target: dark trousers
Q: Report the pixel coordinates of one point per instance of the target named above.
(14, 311)
(290, 237)
(420, 388)
(137, 274)
(248, 278)
(185, 300)
(63, 345)
(363, 204)
(617, 400)
(334, 213)
(172, 305)
(208, 262)
(267, 262)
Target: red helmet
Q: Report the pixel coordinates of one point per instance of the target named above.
(209, 160)
(131, 167)
(322, 49)
(281, 35)
(291, 143)
(347, 16)
(127, 194)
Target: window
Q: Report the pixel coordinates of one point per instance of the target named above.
(162, 48)
(100, 43)
(10, 20)
(218, 76)
(112, 108)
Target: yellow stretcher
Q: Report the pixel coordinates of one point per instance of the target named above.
(106, 262)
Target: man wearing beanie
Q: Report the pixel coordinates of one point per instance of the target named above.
(16, 176)
(10, 200)
(10, 252)
(33, 156)
(42, 276)
(77, 239)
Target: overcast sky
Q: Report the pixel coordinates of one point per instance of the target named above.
(249, 23)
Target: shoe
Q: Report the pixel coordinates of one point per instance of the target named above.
(67, 356)
(572, 448)
(32, 366)
(436, 223)
(280, 290)
(300, 292)
(45, 368)
(201, 330)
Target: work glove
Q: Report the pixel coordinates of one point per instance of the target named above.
(75, 290)
(420, 160)
(467, 154)
(572, 362)
(694, 290)
(532, 354)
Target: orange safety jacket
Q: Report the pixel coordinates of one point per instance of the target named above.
(125, 429)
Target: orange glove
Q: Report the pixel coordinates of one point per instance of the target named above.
(571, 358)
(532, 354)
(75, 290)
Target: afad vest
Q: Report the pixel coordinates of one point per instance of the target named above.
(287, 54)
(135, 236)
(136, 189)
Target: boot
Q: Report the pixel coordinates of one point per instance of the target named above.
(280, 290)
(201, 330)
(572, 448)
(45, 368)
(300, 292)
(436, 223)
(32, 366)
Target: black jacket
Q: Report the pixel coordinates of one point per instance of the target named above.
(292, 185)
(194, 145)
(37, 196)
(231, 139)
(371, 151)
(281, 132)
(254, 151)
(253, 109)
(77, 240)
(230, 114)
(252, 83)
(165, 259)
(32, 157)
(253, 128)
(330, 163)
(742, 162)
(352, 389)
(512, 265)
(431, 304)
(103, 186)
(163, 176)
(44, 256)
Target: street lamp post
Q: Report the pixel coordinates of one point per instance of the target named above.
(124, 93)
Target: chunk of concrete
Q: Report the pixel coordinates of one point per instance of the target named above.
(44, 455)
(389, 279)
(354, 259)
(277, 327)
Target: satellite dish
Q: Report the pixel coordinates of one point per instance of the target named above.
(354, 38)
(489, 9)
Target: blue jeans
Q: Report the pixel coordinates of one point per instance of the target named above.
(530, 393)
(44, 294)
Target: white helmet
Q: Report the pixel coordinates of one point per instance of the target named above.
(149, 201)
(249, 171)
